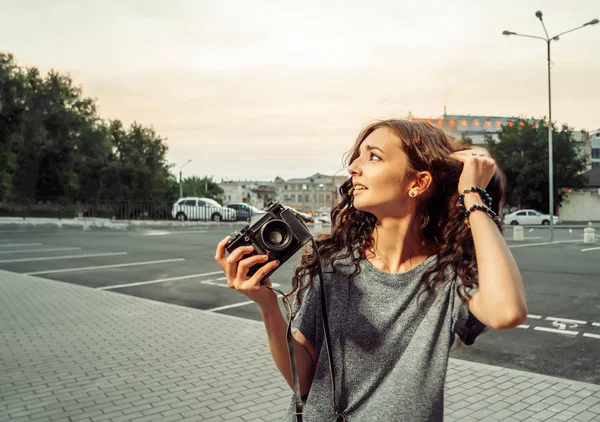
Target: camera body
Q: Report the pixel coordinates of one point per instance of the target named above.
(279, 234)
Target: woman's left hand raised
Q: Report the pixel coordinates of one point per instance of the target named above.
(478, 168)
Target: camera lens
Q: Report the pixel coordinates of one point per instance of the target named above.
(276, 235)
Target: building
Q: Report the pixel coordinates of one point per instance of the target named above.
(595, 148)
(583, 205)
(313, 194)
(475, 127)
(251, 192)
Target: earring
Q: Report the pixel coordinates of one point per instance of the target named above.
(425, 222)
(411, 194)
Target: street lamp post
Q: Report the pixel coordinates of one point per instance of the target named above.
(548, 40)
(181, 179)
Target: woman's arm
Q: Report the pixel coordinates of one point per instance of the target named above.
(304, 352)
(500, 301)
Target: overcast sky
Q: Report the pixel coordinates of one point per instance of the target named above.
(256, 89)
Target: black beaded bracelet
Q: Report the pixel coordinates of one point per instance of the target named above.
(482, 193)
(487, 210)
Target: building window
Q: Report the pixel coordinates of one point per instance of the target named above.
(307, 198)
(595, 153)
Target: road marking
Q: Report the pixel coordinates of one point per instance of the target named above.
(141, 283)
(235, 305)
(212, 282)
(591, 335)
(554, 330)
(533, 316)
(40, 250)
(12, 245)
(523, 326)
(572, 321)
(544, 243)
(165, 233)
(590, 249)
(596, 324)
(52, 258)
(101, 267)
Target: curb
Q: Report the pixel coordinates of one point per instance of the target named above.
(91, 224)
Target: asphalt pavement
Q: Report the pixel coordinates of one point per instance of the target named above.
(561, 336)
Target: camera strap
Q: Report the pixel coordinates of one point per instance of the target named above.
(338, 415)
(298, 402)
(327, 336)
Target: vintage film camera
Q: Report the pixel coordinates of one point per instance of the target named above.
(279, 233)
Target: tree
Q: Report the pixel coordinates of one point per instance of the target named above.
(54, 144)
(204, 187)
(522, 153)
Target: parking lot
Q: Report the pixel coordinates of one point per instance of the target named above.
(561, 336)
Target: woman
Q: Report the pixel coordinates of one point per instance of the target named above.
(415, 257)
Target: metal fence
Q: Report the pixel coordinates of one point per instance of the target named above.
(65, 208)
(62, 208)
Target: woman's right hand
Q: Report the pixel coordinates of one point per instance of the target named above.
(236, 270)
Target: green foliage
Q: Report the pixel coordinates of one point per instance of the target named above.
(522, 153)
(204, 187)
(54, 144)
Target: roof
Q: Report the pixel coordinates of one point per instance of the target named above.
(592, 178)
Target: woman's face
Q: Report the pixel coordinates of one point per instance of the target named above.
(378, 175)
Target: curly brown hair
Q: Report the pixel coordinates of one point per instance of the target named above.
(427, 148)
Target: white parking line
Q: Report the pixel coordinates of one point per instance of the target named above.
(40, 250)
(141, 283)
(523, 326)
(591, 335)
(12, 245)
(165, 233)
(554, 330)
(52, 258)
(544, 243)
(590, 249)
(596, 324)
(101, 267)
(534, 316)
(211, 282)
(572, 321)
(235, 305)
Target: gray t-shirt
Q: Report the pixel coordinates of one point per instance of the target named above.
(390, 353)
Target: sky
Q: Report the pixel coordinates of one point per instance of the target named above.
(259, 89)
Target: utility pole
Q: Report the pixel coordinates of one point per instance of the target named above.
(548, 39)
(181, 178)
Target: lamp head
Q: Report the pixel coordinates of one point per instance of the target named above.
(508, 33)
(592, 22)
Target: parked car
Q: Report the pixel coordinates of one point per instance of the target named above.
(306, 217)
(192, 208)
(529, 217)
(244, 211)
(324, 217)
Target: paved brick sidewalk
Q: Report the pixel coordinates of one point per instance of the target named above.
(72, 353)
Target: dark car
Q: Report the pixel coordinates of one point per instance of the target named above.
(244, 211)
